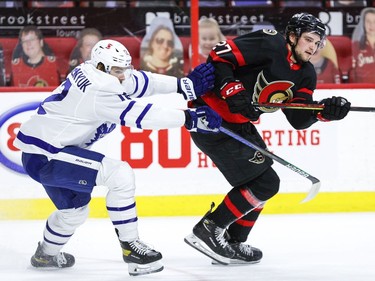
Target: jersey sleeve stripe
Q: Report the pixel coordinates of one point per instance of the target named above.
(237, 53)
(136, 84)
(306, 91)
(145, 85)
(127, 109)
(142, 115)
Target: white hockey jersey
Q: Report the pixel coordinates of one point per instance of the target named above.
(89, 104)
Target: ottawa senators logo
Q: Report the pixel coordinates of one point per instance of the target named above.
(274, 92)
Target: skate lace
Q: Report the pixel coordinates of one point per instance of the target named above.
(220, 237)
(60, 259)
(140, 247)
(246, 249)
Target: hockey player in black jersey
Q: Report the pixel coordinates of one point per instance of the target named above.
(260, 67)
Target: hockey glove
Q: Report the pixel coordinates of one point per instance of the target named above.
(198, 82)
(202, 120)
(238, 100)
(335, 108)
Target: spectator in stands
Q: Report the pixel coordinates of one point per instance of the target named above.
(363, 48)
(209, 35)
(33, 63)
(161, 49)
(346, 3)
(325, 64)
(87, 39)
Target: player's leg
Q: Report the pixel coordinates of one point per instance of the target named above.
(119, 178)
(242, 206)
(240, 165)
(59, 179)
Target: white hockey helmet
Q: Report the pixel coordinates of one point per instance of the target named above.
(110, 53)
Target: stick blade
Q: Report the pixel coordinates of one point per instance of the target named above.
(313, 191)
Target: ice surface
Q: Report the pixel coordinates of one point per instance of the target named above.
(303, 247)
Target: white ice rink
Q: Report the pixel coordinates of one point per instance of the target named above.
(316, 247)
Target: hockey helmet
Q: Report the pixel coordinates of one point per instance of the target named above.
(304, 22)
(110, 53)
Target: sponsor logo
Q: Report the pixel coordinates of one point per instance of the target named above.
(9, 124)
(258, 158)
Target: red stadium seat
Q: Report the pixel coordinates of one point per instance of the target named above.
(343, 47)
(62, 48)
(8, 45)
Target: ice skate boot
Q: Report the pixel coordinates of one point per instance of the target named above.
(141, 259)
(211, 240)
(61, 260)
(245, 254)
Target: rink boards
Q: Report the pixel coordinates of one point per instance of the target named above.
(174, 178)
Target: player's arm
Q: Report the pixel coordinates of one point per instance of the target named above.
(197, 83)
(126, 112)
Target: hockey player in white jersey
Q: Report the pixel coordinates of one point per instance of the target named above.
(55, 143)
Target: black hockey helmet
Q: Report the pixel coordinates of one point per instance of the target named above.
(304, 22)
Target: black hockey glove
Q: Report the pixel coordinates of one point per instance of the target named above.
(335, 108)
(202, 120)
(198, 82)
(239, 100)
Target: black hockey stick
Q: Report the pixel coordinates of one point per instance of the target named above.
(309, 106)
(315, 182)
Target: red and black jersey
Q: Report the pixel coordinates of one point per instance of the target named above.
(43, 74)
(261, 61)
(364, 63)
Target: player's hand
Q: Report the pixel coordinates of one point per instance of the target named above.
(202, 120)
(238, 100)
(335, 108)
(198, 82)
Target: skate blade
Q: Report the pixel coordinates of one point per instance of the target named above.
(136, 269)
(199, 245)
(234, 262)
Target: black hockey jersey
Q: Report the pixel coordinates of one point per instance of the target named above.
(261, 61)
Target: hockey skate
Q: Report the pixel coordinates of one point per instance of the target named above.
(211, 240)
(245, 254)
(141, 259)
(61, 260)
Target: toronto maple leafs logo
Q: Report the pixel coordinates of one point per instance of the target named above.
(101, 131)
(271, 92)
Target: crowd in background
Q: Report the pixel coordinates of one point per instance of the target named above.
(33, 61)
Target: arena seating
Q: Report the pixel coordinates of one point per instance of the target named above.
(62, 48)
(8, 45)
(343, 47)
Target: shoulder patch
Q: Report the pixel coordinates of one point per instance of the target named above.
(269, 31)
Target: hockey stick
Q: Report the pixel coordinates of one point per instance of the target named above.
(315, 182)
(309, 106)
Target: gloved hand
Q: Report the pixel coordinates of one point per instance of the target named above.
(238, 100)
(335, 108)
(202, 120)
(198, 82)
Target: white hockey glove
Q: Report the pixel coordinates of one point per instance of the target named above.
(198, 82)
(202, 120)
